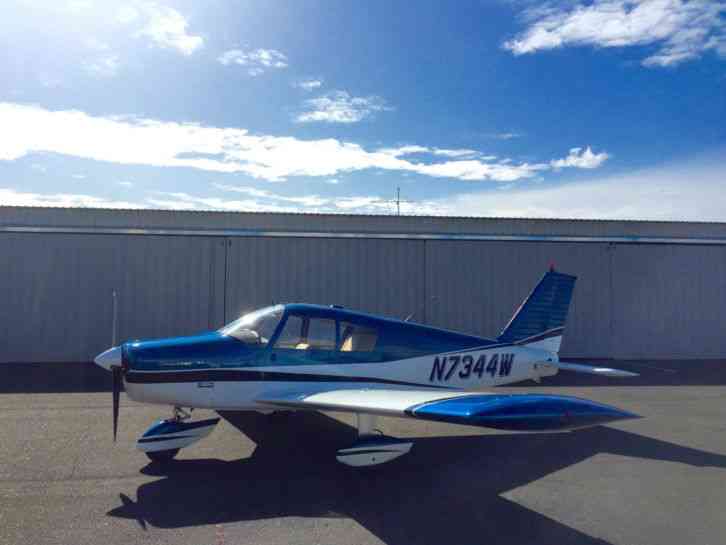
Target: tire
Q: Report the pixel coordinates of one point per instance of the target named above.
(162, 456)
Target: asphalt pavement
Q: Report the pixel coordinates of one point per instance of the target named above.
(658, 480)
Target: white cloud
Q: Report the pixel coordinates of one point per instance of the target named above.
(580, 158)
(39, 168)
(256, 60)
(456, 153)
(126, 183)
(127, 140)
(164, 26)
(305, 201)
(106, 66)
(476, 170)
(78, 176)
(441, 152)
(333, 181)
(340, 107)
(308, 84)
(126, 14)
(504, 135)
(78, 6)
(404, 150)
(266, 201)
(12, 197)
(377, 205)
(685, 192)
(679, 30)
(185, 201)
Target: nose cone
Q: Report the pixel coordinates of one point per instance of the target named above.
(109, 358)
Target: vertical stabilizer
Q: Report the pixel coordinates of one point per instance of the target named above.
(540, 320)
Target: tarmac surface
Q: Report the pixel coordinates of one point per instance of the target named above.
(658, 480)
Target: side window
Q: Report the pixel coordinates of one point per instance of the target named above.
(302, 333)
(291, 335)
(321, 334)
(357, 338)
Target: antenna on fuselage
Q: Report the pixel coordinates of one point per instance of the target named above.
(422, 309)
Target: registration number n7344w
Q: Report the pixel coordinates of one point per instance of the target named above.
(446, 367)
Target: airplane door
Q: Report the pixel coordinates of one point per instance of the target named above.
(320, 356)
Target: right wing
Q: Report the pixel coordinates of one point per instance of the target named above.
(522, 412)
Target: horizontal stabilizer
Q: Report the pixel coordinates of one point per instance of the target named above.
(594, 370)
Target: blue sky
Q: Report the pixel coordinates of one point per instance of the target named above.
(598, 109)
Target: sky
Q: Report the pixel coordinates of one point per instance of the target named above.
(608, 109)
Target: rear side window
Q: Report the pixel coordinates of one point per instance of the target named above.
(357, 338)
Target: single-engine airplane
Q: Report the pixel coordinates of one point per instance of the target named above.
(328, 358)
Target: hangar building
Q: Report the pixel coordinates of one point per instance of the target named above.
(645, 290)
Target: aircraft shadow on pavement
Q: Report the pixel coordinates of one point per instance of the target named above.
(446, 491)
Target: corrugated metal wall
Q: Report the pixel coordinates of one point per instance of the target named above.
(475, 286)
(379, 276)
(55, 291)
(670, 301)
(631, 301)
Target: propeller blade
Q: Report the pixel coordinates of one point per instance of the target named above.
(117, 376)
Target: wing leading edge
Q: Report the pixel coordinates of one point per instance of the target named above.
(520, 412)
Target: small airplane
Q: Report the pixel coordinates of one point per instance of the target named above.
(328, 358)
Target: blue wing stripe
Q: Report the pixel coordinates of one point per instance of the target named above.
(521, 412)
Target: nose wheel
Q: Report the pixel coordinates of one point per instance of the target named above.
(165, 438)
(162, 456)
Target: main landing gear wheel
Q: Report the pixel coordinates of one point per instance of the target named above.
(162, 456)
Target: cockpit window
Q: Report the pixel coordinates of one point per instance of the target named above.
(256, 327)
(291, 335)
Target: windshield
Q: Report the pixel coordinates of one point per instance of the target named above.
(256, 327)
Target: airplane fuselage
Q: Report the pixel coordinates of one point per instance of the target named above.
(237, 385)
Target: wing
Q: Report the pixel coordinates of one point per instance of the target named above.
(521, 412)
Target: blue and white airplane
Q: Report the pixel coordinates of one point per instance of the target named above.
(312, 357)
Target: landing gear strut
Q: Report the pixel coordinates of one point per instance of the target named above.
(163, 440)
(372, 447)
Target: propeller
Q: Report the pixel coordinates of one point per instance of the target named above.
(117, 374)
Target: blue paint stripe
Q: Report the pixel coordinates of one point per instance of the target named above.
(536, 412)
(163, 438)
(237, 375)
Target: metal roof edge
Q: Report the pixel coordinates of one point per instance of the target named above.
(622, 239)
(336, 215)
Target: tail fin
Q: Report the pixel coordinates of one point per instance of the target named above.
(540, 319)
